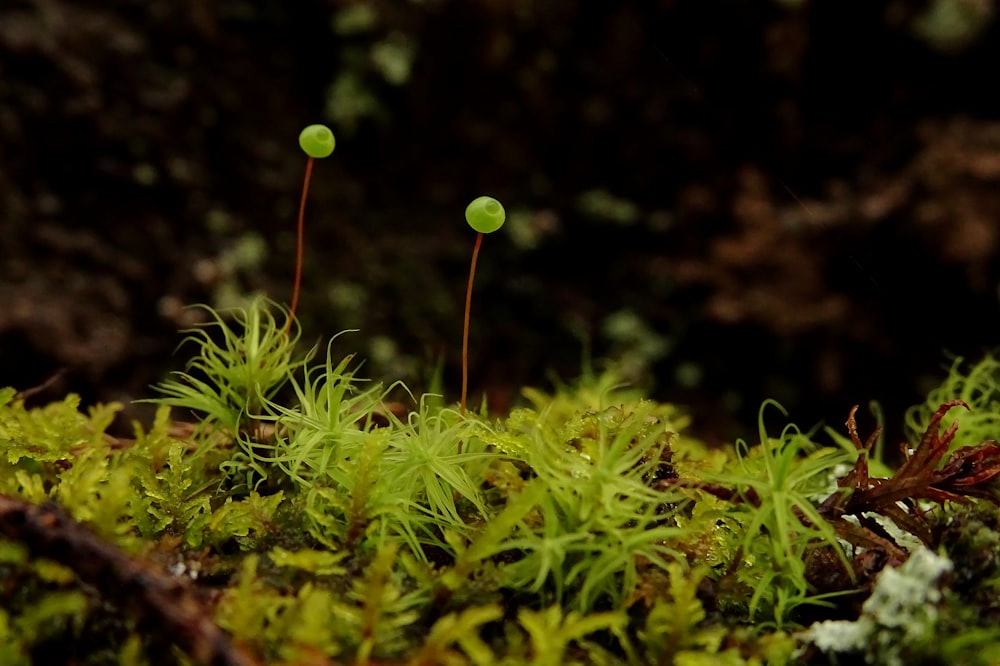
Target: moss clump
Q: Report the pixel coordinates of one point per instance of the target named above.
(978, 386)
(312, 519)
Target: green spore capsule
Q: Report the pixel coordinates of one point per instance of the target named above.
(485, 215)
(317, 141)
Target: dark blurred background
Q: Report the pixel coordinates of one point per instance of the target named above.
(796, 200)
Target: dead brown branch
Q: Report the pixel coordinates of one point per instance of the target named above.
(160, 600)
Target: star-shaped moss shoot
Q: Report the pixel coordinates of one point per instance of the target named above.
(317, 142)
(485, 215)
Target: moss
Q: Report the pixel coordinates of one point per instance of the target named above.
(312, 519)
(978, 385)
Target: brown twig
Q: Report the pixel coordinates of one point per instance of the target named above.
(56, 376)
(163, 601)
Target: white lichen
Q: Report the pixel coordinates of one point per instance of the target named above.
(900, 614)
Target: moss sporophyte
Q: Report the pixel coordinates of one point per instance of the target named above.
(301, 520)
(485, 215)
(317, 142)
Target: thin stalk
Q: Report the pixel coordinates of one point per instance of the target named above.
(300, 242)
(465, 330)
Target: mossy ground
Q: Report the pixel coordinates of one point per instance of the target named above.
(316, 518)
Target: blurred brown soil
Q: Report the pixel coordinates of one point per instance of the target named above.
(797, 203)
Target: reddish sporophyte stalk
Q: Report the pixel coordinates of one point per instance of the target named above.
(317, 142)
(485, 215)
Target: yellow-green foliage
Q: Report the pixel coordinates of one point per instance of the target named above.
(979, 386)
(785, 474)
(582, 528)
(44, 608)
(598, 516)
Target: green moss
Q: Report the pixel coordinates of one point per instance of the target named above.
(978, 385)
(778, 480)
(582, 528)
